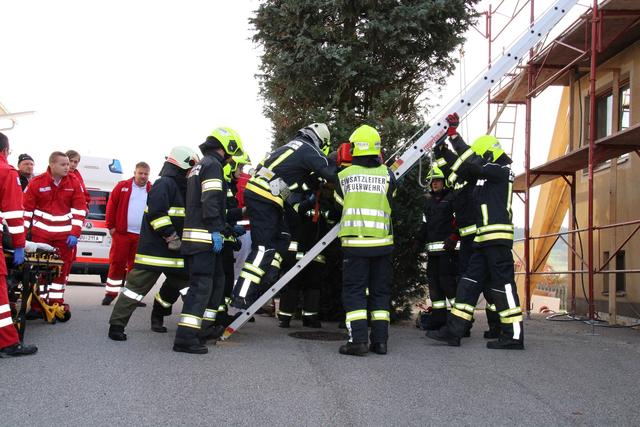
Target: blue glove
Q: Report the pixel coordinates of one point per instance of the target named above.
(239, 230)
(18, 256)
(72, 241)
(217, 240)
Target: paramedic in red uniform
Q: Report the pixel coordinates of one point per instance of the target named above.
(11, 212)
(124, 215)
(74, 161)
(54, 209)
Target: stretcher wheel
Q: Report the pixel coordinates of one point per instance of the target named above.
(65, 317)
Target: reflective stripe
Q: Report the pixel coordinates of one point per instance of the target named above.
(266, 194)
(485, 214)
(439, 304)
(243, 222)
(222, 307)
(28, 214)
(514, 320)
(493, 236)
(16, 230)
(253, 268)
(190, 321)
(356, 315)
(50, 217)
(162, 302)
(309, 313)
(275, 262)
(461, 159)
(364, 241)
(366, 212)
(299, 255)
(435, 247)
(293, 246)
(465, 307)
(56, 295)
(209, 315)
(465, 231)
(52, 228)
(510, 311)
(13, 214)
(190, 235)
(212, 185)
(159, 262)
(163, 221)
(176, 211)
(6, 322)
(80, 212)
(256, 263)
(380, 315)
(339, 199)
(5, 308)
(249, 276)
(441, 162)
(116, 282)
(321, 259)
(56, 287)
(462, 314)
(112, 289)
(282, 313)
(509, 196)
(491, 307)
(495, 227)
(366, 224)
(76, 222)
(27, 224)
(184, 291)
(130, 294)
(282, 157)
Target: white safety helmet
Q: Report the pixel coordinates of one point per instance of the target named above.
(183, 157)
(322, 132)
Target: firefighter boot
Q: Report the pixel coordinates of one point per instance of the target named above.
(191, 349)
(116, 333)
(354, 349)
(378, 347)
(108, 299)
(506, 341)
(312, 321)
(444, 334)
(157, 323)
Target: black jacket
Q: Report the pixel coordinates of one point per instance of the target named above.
(165, 201)
(206, 204)
(492, 194)
(438, 222)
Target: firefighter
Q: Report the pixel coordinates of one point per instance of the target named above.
(491, 260)
(281, 172)
(439, 233)
(124, 220)
(464, 208)
(310, 227)
(11, 212)
(203, 238)
(54, 210)
(365, 192)
(158, 247)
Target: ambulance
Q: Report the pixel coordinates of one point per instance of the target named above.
(100, 176)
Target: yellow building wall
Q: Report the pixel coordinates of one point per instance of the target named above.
(620, 184)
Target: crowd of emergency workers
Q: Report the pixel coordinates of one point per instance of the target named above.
(221, 233)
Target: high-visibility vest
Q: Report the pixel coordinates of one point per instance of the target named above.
(366, 214)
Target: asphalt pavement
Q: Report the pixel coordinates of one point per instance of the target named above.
(262, 376)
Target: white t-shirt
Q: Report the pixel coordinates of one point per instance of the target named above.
(137, 203)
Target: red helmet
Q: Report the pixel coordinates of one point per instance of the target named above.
(344, 155)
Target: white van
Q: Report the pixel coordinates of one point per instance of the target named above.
(100, 175)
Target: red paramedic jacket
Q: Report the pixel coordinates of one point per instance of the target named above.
(118, 205)
(10, 208)
(54, 212)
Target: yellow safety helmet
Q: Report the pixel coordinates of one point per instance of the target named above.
(365, 141)
(487, 143)
(228, 138)
(435, 173)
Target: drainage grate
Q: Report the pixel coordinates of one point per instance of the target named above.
(319, 335)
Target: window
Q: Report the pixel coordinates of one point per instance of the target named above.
(98, 204)
(621, 286)
(604, 115)
(625, 106)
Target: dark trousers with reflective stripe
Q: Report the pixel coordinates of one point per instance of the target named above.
(206, 275)
(442, 276)
(140, 282)
(492, 265)
(269, 234)
(466, 250)
(309, 281)
(358, 275)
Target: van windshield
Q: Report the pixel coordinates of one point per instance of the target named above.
(98, 205)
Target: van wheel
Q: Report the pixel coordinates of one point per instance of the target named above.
(103, 278)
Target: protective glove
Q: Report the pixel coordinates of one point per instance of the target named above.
(450, 244)
(218, 241)
(72, 241)
(454, 122)
(18, 256)
(239, 230)
(173, 242)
